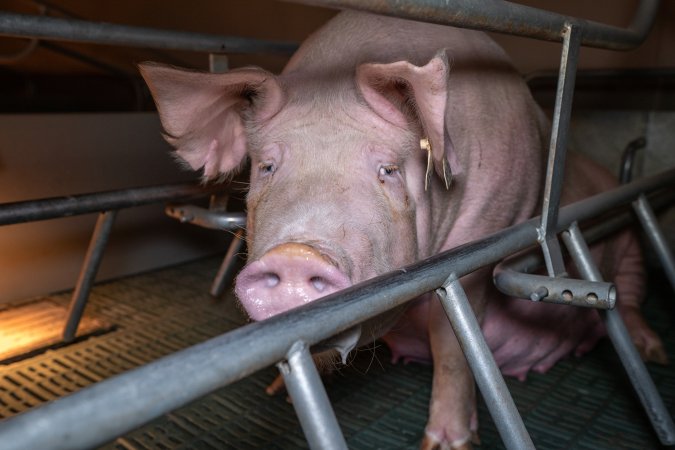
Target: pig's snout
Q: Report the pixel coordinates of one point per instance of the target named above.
(287, 276)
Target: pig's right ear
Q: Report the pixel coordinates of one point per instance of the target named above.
(202, 112)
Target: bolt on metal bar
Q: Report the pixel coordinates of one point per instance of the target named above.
(55, 207)
(226, 271)
(651, 227)
(90, 266)
(557, 151)
(103, 411)
(485, 370)
(76, 30)
(507, 17)
(310, 401)
(630, 358)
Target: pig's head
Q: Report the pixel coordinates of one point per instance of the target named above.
(337, 192)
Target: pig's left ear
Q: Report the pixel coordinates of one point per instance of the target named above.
(393, 89)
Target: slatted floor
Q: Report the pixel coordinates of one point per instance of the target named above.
(582, 403)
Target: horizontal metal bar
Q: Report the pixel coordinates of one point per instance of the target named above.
(117, 405)
(509, 18)
(76, 30)
(217, 220)
(51, 208)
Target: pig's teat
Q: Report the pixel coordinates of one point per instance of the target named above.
(287, 276)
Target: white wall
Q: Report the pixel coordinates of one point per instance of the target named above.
(65, 154)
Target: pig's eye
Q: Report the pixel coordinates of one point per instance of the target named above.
(266, 168)
(387, 171)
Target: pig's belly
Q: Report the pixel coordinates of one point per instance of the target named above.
(522, 335)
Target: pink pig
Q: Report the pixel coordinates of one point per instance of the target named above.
(338, 195)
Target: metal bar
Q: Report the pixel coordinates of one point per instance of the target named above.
(555, 169)
(507, 17)
(225, 273)
(117, 405)
(90, 266)
(485, 370)
(216, 220)
(76, 30)
(628, 157)
(651, 226)
(630, 358)
(566, 291)
(310, 400)
(51, 208)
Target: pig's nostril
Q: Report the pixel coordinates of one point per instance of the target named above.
(271, 279)
(319, 283)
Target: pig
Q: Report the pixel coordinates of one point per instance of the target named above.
(383, 142)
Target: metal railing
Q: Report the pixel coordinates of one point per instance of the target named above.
(101, 412)
(112, 407)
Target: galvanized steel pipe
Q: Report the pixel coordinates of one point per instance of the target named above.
(76, 30)
(55, 207)
(509, 18)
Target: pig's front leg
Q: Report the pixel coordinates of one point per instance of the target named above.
(453, 421)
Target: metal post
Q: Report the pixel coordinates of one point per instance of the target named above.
(651, 226)
(226, 271)
(556, 155)
(630, 358)
(310, 401)
(90, 266)
(484, 368)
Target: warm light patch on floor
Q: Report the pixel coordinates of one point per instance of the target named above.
(36, 325)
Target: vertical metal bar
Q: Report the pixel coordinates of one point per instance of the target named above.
(226, 271)
(218, 63)
(92, 261)
(558, 148)
(651, 226)
(484, 368)
(310, 401)
(630, 358)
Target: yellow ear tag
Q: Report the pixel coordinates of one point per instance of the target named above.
(425, 145)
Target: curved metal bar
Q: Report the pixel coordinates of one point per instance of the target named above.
(566, 291)
(76, 30)
(509, 18)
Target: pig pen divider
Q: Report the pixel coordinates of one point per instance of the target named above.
(109, 408)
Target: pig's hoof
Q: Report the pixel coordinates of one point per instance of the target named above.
(276, 386)
(646, 341)
(430, 443)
